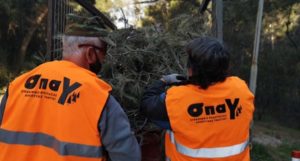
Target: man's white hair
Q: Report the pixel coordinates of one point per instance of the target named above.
(70, 44)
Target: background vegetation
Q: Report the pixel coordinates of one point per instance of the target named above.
(157, 47)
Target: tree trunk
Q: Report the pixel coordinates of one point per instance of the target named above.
(27, 38)
(253, 76)
(217, 18)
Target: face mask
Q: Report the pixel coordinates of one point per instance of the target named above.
(95, 67)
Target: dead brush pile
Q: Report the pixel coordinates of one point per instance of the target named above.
(143, 55)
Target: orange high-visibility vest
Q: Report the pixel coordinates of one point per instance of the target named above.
(52, 114)
(209, 125)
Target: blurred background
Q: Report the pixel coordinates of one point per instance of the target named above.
(151, 37)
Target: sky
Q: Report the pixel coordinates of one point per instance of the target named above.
(129, 12)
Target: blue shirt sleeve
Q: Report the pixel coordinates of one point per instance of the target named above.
(161, 123)
(153, 105)
(117, 138)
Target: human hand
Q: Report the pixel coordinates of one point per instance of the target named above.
(173, 78)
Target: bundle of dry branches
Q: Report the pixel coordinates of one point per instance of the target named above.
(143, 55)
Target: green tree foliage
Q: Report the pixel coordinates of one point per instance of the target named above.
(165, 11)
(143, 55)
(278, 74)
(17, 19)
(106, 5)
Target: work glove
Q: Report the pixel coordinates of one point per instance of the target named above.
(173, 78)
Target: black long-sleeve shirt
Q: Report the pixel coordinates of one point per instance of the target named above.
(153, 104)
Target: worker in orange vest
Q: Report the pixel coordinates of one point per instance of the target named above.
(61, 110)
(208, 116)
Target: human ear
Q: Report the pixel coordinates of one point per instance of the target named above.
(90, 55)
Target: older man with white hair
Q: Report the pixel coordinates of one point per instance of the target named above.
(61, 110)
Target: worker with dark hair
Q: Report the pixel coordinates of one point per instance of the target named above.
(208, 116)
(61, 110)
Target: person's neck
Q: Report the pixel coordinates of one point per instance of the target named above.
(76, 60)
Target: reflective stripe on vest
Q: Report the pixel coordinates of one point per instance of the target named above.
(62, 148)
(219, 152)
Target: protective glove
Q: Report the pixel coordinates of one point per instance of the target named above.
(173, 78)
